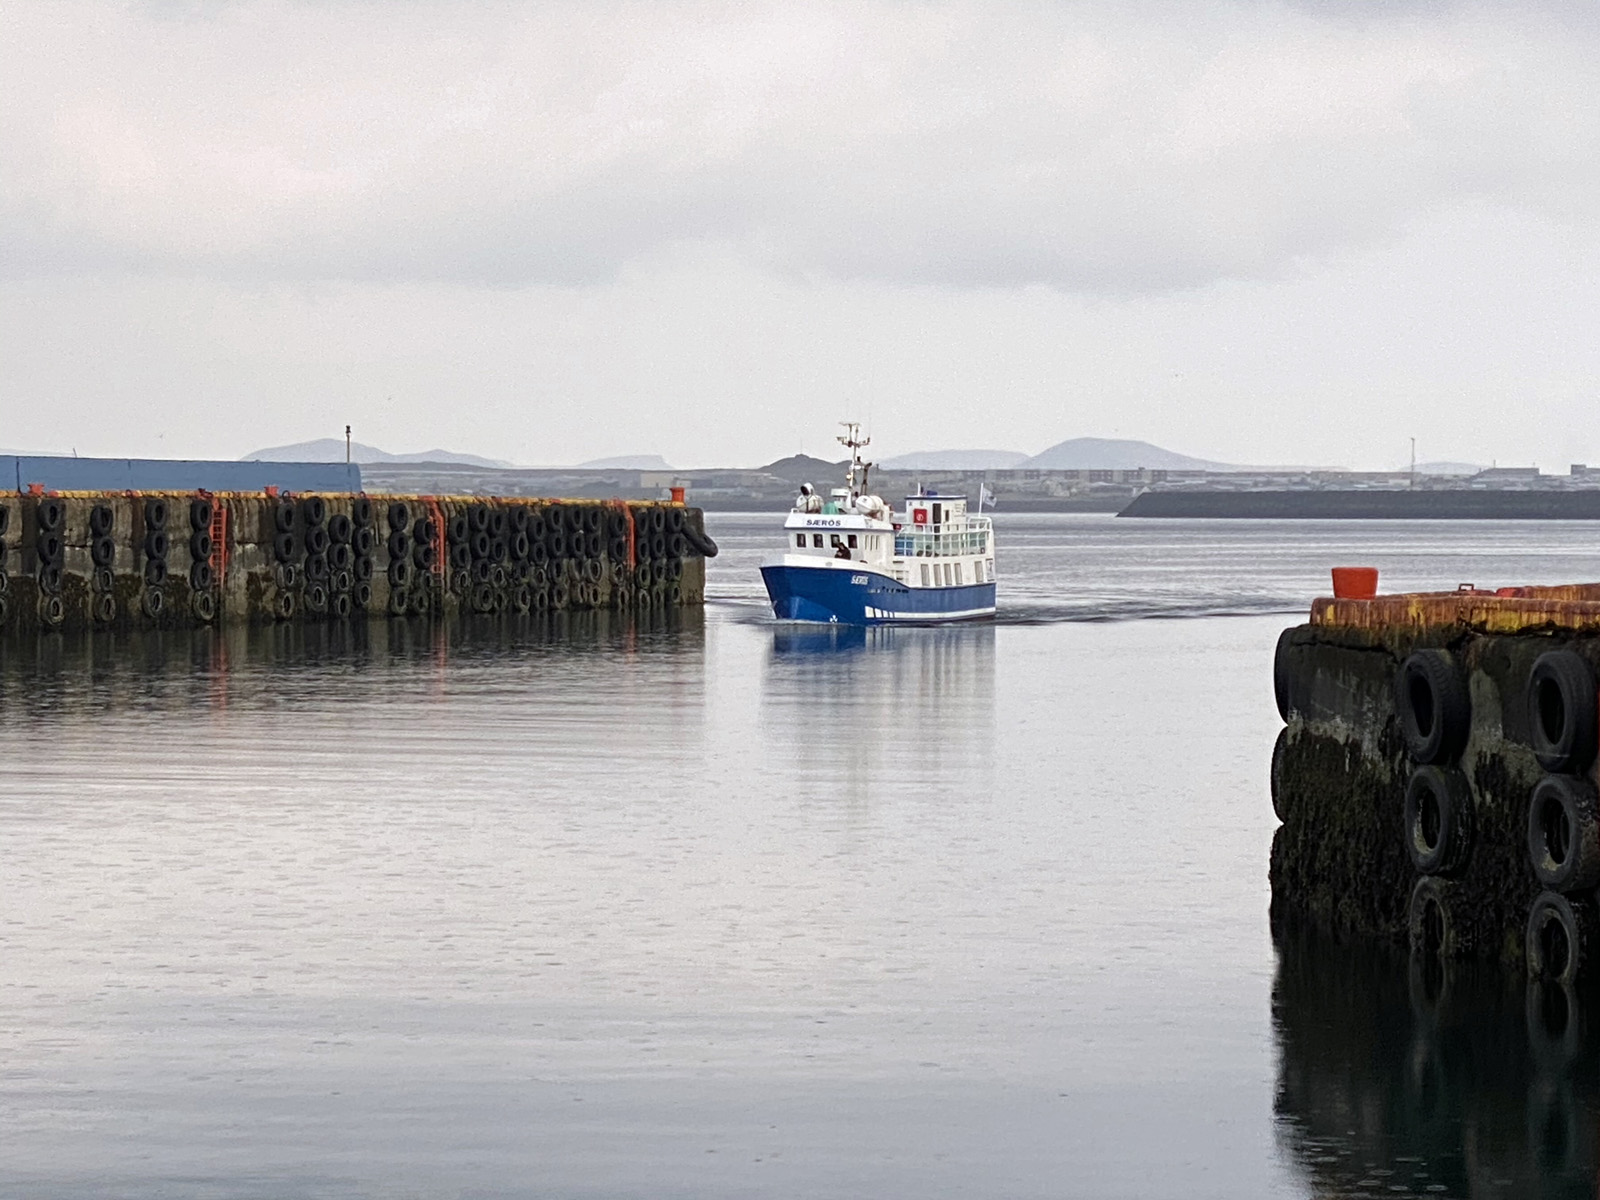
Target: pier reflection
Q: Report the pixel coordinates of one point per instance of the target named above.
(1400, 1079)
(253, 664)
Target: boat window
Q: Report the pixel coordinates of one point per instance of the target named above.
(800, 540)
(833, 540)
(960, 575)
(852, 538)
(924, 574)
(988, 568)
(816, 540)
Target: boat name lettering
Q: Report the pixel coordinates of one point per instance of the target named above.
(860, 580)
(824, 521)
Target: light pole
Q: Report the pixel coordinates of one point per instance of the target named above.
(347, 446)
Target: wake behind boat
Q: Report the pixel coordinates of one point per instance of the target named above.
(852, 560)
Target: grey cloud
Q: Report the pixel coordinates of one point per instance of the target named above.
(1090, 147)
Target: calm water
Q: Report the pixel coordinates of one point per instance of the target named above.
(710, 907)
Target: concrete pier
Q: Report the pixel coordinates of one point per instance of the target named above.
(1435, 777)
(132, 560)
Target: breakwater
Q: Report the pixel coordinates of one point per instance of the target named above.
(1435, 777)
(1442, 504)
(86, 560)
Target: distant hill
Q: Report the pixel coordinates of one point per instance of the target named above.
(1116, 454)
(332, 450)
(627, 462)
(953, 460)
(802, 468)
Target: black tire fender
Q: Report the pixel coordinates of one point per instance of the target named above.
(1438, 820)
(1564, 833)
(1432, 706)
(1560, 937)
(1562, 715)
(1435, 920)
(284, 547)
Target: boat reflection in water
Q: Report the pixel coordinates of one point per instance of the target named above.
(894, 712)
(1402, 1079)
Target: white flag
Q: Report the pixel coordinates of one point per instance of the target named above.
(985, 496)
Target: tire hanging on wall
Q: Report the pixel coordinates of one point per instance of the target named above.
(1432, 705)
(101, 520)
(1438, 820)
(1560, 937)
(1562, 711)
(1435, 922)
(1564, 833)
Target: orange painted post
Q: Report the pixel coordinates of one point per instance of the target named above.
(1355, 583)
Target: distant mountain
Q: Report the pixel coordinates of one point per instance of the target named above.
(627, 462)
(953, 460)
(802, 468)
(1116, 454)
(332, 450)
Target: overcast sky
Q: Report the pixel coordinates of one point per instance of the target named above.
(1253, 232)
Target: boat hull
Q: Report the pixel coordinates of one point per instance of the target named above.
(839, 597)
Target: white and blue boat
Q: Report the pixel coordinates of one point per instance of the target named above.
(851, 560)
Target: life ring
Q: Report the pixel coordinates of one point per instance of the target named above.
(1433, 707)
(1562, 711)
(1560, 937)
(1564, 833)
(1438, 820)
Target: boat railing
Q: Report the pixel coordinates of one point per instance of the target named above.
(921, 542)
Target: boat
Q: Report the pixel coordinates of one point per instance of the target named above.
(852, 560)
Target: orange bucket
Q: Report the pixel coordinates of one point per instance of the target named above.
(1355, 583)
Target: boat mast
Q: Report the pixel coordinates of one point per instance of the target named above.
(853, 439)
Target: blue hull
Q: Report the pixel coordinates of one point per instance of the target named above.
(869, 598)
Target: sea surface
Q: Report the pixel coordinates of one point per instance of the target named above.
(706, 906)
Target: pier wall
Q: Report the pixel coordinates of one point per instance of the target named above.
(162, 560)
(1466, 847)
